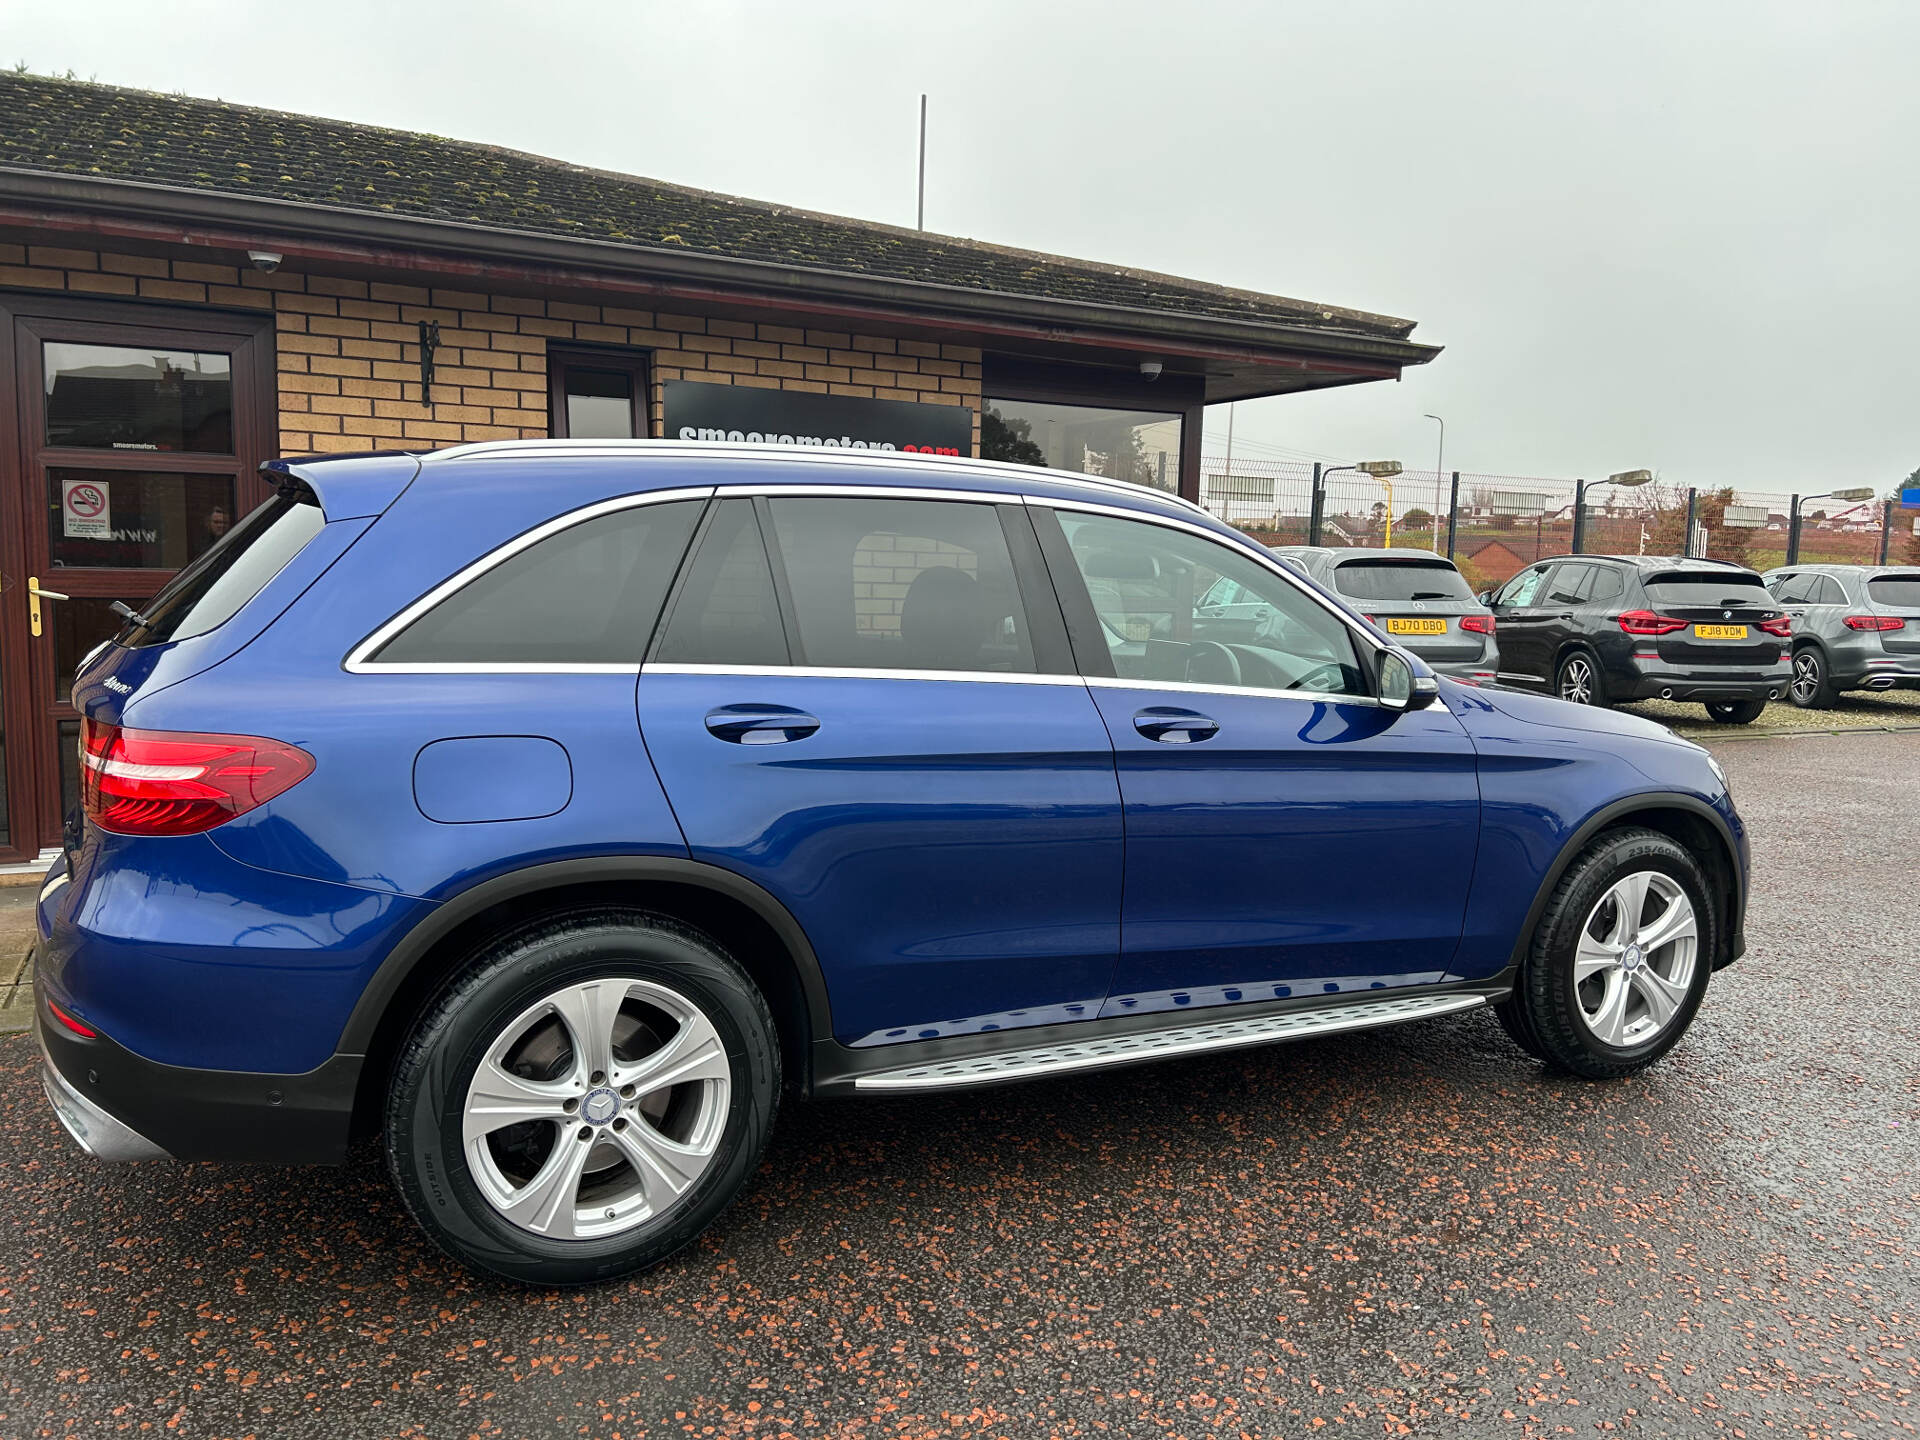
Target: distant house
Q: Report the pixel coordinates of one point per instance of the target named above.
(1495, 563)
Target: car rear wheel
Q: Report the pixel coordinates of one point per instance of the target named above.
(1735, 712)
(1579, 681)
(1620, 959)
(1812, 687)
(585, 1099)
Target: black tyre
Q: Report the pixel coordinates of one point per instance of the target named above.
(584, 1098)
(1812, 687)
(1619, 961)
(1579, 680)
(1735, 712)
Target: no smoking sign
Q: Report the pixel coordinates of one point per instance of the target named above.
(85, 511)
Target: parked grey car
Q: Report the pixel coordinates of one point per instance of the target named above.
(1856, 627)
(1417, 597)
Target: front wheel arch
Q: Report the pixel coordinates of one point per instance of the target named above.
(1689, 821)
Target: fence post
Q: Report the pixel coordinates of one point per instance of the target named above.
(1453, 512)
(1579, 516)
(1886, 530)
(1793, 531)
(1315, 507)
(1693, 504)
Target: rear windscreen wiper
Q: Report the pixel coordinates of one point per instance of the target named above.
(120, 607)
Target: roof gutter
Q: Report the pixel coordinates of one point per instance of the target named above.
(200, 217)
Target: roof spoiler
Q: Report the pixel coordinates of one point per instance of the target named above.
(347, 486)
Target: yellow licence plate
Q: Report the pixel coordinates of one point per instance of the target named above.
(1416, 627)
(1720, 632)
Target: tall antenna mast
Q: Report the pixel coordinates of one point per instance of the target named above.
(920, 217)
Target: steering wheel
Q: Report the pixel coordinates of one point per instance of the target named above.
(1205, 655)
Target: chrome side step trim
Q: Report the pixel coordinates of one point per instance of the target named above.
(1187, 1039)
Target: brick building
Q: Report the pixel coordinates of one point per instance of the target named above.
(188, 288)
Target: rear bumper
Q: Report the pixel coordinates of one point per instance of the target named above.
(1654, 679)
(121, 1106)
(1883, 673)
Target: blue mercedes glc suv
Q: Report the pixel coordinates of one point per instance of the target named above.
(552, 809)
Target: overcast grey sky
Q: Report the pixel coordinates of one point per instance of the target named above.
(1677, 234)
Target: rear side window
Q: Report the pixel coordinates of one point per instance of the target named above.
(1900, 591)
(211, 591)
(1400, 580)
(1792, 589)
(1700, 587)
(884, 584)
(586, 595)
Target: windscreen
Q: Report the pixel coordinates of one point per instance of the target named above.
(1902, 592)
(1704, 587)
(211, 591)
(1400, 580)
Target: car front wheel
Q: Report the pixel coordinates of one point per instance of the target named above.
(585, 1099)
(1620, 959)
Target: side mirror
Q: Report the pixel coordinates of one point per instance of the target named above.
(1486, 597)
(1400, 688)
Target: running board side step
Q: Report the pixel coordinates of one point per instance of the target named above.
(1188, 1039)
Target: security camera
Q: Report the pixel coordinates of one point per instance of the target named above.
(1151, 369)
(268, 260)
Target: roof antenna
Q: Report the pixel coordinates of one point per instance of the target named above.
(920, 220)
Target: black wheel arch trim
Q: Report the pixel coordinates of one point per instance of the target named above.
(1733, 942)
(370, 1010)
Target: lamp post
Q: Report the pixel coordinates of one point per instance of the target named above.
(1381, 470)
(1580, 487)
(1439, 469)
(1853, 495)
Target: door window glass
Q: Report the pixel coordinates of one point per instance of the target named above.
(139, 397)
(1606, 583)
(882, 584)
(726, 613)
(1828, 592)
(1522, 589)
(1164, 614)
(134, 520)
(1570, 584)
(588, 595)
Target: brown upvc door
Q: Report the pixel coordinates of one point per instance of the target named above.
(140, 432)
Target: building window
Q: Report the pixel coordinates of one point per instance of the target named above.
(1138, 446)
(598, 395)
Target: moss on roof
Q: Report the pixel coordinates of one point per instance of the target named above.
(106, 132)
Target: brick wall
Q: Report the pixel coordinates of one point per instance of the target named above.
(348, 351)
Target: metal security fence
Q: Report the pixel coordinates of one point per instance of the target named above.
(1492, 526)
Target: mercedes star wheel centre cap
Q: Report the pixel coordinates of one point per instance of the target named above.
(600, 1106)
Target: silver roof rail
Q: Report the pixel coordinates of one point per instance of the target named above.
(833, 455)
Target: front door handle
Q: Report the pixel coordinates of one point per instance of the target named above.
(760, 724)
(1175, 727)
(34, 596)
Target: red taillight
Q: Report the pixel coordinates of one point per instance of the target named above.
(1781, 625)
(1478, 624)
(157, 782)
(78, 1027)
(1645, 622)
(1874, 622)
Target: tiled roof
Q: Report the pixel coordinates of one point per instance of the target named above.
(104, 132)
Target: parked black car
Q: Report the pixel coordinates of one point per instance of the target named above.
(1600, 629)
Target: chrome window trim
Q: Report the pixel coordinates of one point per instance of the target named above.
(825, 491)
(1190, 687)
(835, 672)
(1269, 562)
(357, 662)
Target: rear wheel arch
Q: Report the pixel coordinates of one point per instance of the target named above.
(746, 921)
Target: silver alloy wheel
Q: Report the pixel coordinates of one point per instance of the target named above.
(1576, 681)
(624, 1120)
(1633, 965)
(1806, 676)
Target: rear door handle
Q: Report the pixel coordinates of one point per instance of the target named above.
(1175, 727)
(760, 724)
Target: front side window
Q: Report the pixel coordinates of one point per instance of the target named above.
(884, 584)
(586, 595)
(1172, 606)
(1522, 590)
(1141, 447)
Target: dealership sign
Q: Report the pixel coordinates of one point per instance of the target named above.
(697, 411)
(1910, 497)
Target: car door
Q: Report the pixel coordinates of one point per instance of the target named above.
(1521, 620)
(1286, 835)
(860, 702)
